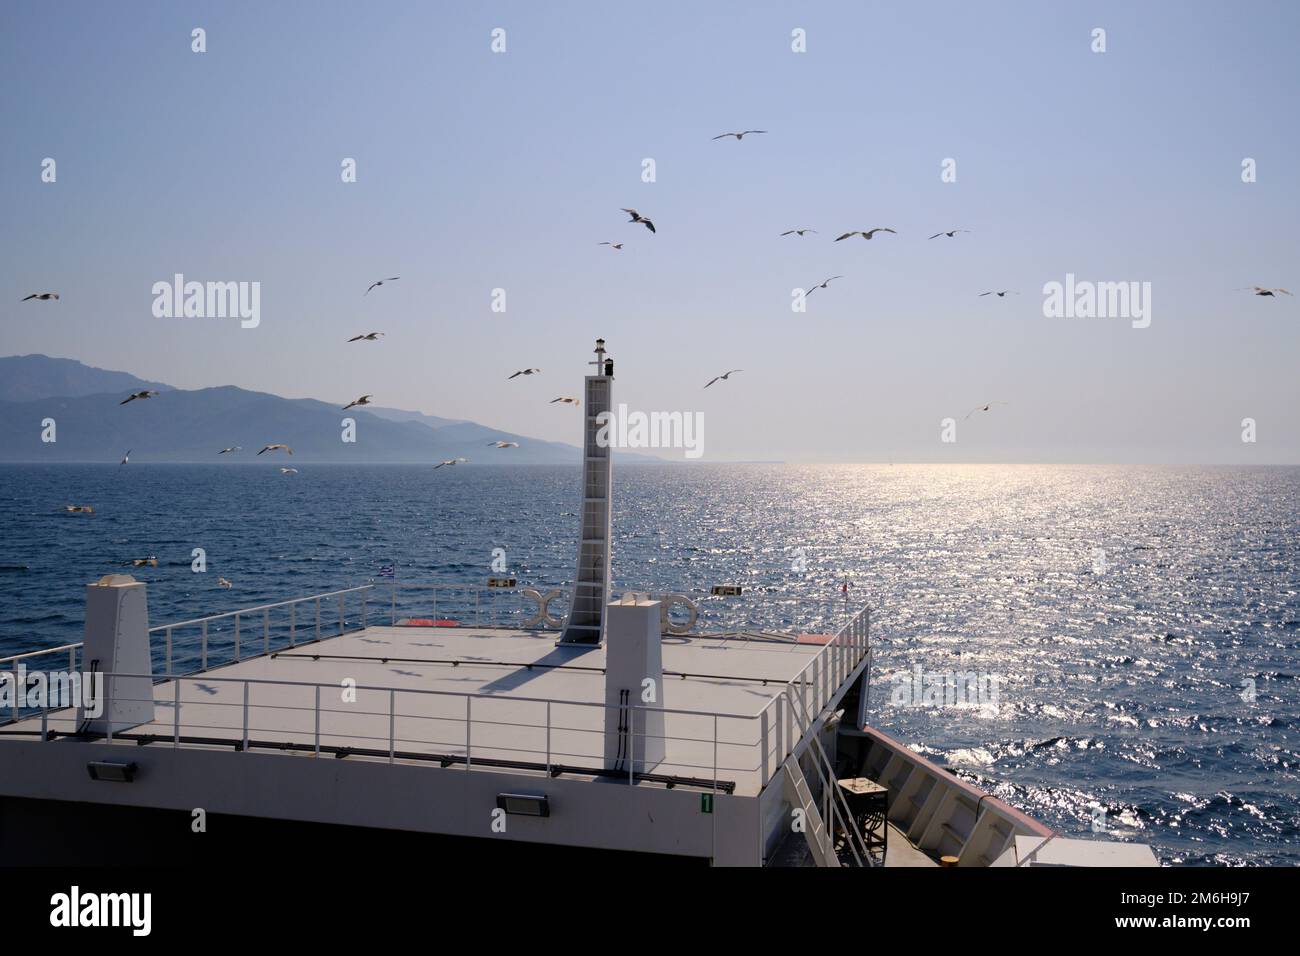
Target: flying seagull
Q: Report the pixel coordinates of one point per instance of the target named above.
(1260, 290)
(367, 337)
(948, 234)
(363, 400)
(726, 376)
(288, 471)
(867, 233)
(1004, 292)
(741, 135)
(226, 451)
(524, 371)
(613, 245)
(637, 217)
(79, 509)
(567, 401)
(132, 397)
(43, 296)
(449, 461)
(276, 447)
(223, 583)
(797, 232)
(125, 458)
(820, 285)
(503, 444)
(381, 282)
(150, 561)
(982, 408)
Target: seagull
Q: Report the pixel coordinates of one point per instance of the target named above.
(132, 397)
(79, 509)
(43, 296)
(982, 408)
(797, 232)
(948, 234)
(503, 444)
(1260, 290)
(739, 136)
(449, 461)
(367, 337)
(568, 401)
(613, 245)
(723, 378)
(637, 217)
(223, 583)
(125, 458)
(288, 471)
(867, 233)
(524, 371)
(150, 561)
(276, 447)
(363, 400)
(381, 282)
(226, 451)
(816, 287)
(1004, 292)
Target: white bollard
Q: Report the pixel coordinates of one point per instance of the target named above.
(117, 642)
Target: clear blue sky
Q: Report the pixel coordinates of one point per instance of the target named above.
(479, 171)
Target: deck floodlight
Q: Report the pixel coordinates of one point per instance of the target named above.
(112, 770)
(525, 804)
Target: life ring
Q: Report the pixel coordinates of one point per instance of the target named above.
(543, 602)
(666, 601)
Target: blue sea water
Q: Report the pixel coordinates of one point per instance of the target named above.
(1123, 610)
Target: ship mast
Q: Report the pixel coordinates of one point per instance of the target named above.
(586, 620)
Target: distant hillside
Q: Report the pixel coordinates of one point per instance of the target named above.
(400, 415)
(24, 378)
(183, 425)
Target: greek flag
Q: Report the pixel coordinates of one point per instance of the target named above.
(388, 570)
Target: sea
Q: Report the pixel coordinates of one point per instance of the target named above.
(1134, 629)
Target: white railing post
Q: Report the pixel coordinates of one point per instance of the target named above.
(266, 630)
(317, 711)
(715, 758)
(364, 616)
(392, 724)
(340, 615)
(468, 699)
(318, 618)
(394, 611)
(548, 738)
(236, 635)
(203, 655)
(246, 717)
(763, 747)
(293, 624)
(176, 713)
(169, 652)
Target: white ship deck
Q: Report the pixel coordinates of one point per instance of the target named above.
(484, 695)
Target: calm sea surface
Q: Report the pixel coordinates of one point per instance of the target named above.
(1124, 612)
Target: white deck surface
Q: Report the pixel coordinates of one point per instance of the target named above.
(727, 677)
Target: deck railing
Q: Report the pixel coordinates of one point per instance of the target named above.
(230, 636)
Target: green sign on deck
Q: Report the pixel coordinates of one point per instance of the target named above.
(706, 803)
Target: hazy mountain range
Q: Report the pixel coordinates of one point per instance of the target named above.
(183, 425)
